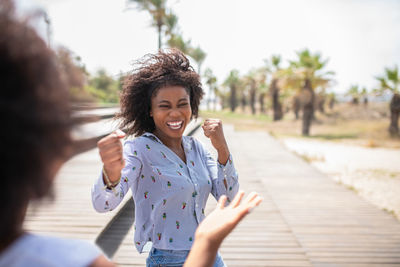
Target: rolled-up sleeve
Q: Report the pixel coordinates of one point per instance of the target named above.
(104, 199)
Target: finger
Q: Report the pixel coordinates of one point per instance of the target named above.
(114, 166)
(221, 202)
(206, 131)
(211, 123)
(112, 157)
(250, 197)
(120, 134)
(111, 150)
(236, 200)
(254, 203)
(111, 146)
(109, 139)
(212, 120)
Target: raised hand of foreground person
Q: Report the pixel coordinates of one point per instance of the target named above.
(217, 225)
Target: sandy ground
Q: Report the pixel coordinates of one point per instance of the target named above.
(374, 173)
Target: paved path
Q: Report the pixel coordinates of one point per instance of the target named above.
(306, 219)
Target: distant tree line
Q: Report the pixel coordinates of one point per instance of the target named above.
(86, 87)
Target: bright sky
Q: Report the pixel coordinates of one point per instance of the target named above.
(360, 37)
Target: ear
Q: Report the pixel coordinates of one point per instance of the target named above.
(151, 113)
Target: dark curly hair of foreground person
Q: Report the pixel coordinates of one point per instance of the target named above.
(167, 68)
(35, 117)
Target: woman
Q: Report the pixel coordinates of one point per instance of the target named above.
(35, 141)
(170, 175)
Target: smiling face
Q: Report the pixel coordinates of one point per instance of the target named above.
(171, 112)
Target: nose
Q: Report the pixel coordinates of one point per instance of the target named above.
(174, 112)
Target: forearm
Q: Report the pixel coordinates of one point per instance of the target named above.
(203, 253)
(223, 154)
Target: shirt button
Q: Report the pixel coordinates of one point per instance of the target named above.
(197, 205)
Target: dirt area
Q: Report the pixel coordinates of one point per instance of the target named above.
(373, 173)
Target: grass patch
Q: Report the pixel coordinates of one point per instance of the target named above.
(336, 126)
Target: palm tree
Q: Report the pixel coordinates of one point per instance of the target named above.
(364, 95)
(211, 81)
(198, 55)
(157, 10)
(173, 35)
(308, 69)
(261, 78)
(250, 83)
(233, 82)
(389, 83)
(177, 41)
(332, 100)
(354, 93)
(272, 66)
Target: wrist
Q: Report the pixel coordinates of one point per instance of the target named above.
(110, 181)
(223, 155)
(207, 241)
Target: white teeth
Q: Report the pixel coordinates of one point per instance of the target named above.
(175, 124)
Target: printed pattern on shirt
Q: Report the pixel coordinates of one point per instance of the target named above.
(170, 195)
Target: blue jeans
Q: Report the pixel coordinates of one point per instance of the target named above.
(173, 258)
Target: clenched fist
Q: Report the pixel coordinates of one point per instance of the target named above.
(110, 149)
(213, 129)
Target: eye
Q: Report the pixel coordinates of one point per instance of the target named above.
(163, 106)
(183, 104)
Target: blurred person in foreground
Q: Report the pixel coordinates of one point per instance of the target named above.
(36, 141)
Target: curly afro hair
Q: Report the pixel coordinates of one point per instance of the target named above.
(154, 71)
(35, 114)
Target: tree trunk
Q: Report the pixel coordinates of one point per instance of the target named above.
(159, 35)
(394, 115)
(262, 105)
(233, 102)
(276, 105)
(253, 100)
(308, 107)
(296, 106)
(321, 104)
(243, 102)
(366, 101)
(331, 103)
(214, 100)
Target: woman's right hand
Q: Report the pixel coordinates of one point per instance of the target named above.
(111, 153)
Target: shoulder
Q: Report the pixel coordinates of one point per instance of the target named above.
(50, 251)
(134, 146)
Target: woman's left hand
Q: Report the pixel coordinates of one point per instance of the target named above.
(213, 129)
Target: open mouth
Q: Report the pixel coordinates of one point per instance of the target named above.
(175, 125)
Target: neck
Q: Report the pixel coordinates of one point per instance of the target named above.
(172, 143)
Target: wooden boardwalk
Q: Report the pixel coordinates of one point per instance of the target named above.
(71, 213)
(306, 219)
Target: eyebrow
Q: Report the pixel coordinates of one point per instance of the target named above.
(168, 102)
